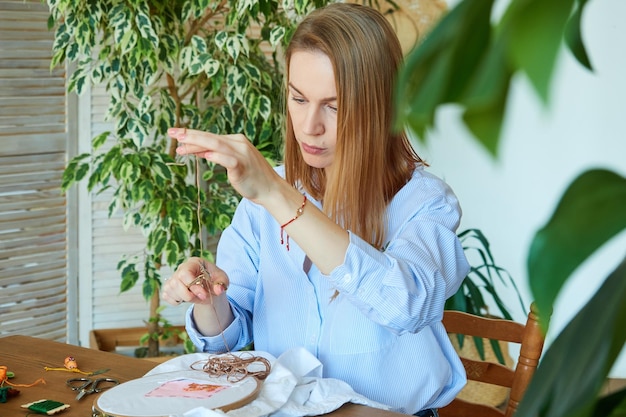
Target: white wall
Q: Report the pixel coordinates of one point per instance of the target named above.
(542, 151)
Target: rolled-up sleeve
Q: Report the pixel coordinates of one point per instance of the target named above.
(404, 286)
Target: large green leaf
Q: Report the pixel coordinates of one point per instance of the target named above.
(533, 47)
(573, 37)
(468, 61)
(485, 101)
(574, 368)
(591, 211)
(438, 71)
(612, 405)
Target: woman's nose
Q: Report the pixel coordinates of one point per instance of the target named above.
(313, 122)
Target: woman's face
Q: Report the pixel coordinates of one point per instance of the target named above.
(313, 106)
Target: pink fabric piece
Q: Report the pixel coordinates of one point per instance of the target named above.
(186, 388)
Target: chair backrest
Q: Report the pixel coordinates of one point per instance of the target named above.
(530, 338)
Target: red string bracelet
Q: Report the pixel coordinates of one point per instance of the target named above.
(282, 228)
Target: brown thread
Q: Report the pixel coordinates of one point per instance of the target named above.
(234, 367)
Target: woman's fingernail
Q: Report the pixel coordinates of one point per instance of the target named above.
(177, 133)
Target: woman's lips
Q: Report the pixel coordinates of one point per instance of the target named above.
(313, 150)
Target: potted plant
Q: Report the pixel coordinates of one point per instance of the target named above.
(205, 65)
(483, 282)
(482, 279)
(527, 38)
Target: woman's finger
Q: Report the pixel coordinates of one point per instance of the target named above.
(195, 281)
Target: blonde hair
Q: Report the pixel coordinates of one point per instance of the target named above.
(372, 162)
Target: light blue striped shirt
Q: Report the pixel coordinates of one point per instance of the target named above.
(383, 333)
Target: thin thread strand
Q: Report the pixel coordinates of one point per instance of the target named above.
(234, 367)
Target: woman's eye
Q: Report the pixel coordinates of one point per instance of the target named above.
(332, 108)
(298, 100)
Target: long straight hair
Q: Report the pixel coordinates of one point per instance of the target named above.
(372, 162)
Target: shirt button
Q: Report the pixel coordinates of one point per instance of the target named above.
(347, 278)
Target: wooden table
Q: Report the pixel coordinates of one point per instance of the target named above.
(28, 356)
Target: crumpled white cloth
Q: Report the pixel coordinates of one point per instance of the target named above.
(293, 388)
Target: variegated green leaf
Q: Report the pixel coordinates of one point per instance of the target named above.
(77, 82)
(99, 140)
(186, 220)
(128, 42)
(233, 47)
(253, 73)
(244, 45)
(161, 170)
(244, 5)
(276, 35)
(172, 251)
(252, 105)
(249, 129)
(145, 28)
(144, 104)
(199, 44)
(301, 6)
(130, 276)
(97, 75)
(211, 66)
(128, 221)
(72, 52)
(186, 58)
(265, 107)
(121, 24)
(129, 172)
(196, 67)
(61, 38)
(148, 288)
(236, 82)
(153, 208)
(152, 77)
(220, 39)
(82, 34)
(160, 239)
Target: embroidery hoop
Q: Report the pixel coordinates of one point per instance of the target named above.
(129, 399)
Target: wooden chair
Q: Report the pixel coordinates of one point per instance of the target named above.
(529, 336)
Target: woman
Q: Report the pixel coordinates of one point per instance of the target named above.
(349, 249)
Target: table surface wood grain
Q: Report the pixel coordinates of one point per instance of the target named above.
(28, 357)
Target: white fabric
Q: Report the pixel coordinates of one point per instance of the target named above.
(294, 387)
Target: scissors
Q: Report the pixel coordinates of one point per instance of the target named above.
(86, 386)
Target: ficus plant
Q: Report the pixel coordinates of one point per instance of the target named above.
(589, 213)
(210, 65)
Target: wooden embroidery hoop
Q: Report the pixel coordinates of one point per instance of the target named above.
(133, 390)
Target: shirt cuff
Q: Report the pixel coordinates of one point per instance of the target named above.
(347, 277)
(213, 344)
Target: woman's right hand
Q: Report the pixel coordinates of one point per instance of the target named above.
(247, 169)
(195, 281)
